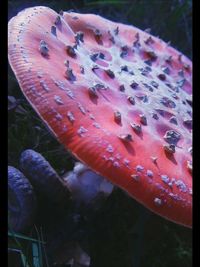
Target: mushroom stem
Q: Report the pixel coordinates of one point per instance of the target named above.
(87, 188)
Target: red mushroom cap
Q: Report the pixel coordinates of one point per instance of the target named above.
(117, 97)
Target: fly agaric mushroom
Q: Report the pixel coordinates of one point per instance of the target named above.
(117, 97)
(82, 184)
(42, 176)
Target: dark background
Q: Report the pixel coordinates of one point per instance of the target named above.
(122, 233)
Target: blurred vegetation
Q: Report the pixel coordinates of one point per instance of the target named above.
(113, 237)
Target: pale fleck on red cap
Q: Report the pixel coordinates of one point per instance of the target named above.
(117, 97)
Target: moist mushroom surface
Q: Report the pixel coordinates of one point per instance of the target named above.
(117, 97)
